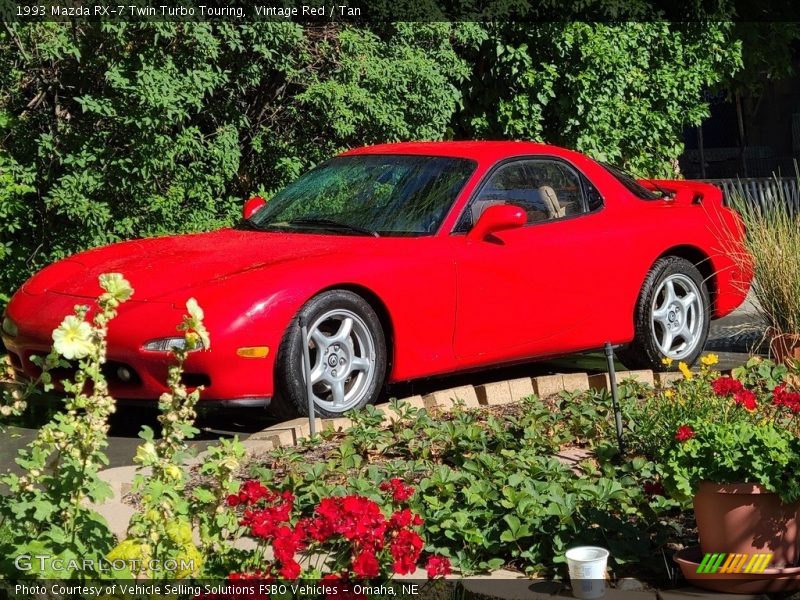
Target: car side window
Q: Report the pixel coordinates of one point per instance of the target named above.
(545, 189)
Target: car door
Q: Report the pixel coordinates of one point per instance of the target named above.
(528, 291)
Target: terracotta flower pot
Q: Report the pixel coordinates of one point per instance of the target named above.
(745, 518)
(784, 347)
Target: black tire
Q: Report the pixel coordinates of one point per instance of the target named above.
(290, 385)
(645, 352)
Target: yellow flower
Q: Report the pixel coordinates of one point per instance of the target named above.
(684, 368)
(667, 362)
(669, 393)
(709, 360)
(72, 339)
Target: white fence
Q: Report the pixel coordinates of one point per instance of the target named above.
(763, 191)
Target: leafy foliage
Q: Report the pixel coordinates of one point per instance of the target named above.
(491, 491)
(743, 428)
(619, 92)
(117, 130)
(45, 510)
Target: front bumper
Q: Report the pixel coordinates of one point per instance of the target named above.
(227, 378)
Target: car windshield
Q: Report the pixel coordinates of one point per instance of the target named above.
(368, 194)
(629, 181)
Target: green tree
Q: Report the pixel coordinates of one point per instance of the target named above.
(117, 130)
(620, 92)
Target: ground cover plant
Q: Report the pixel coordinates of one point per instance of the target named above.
(491, 491)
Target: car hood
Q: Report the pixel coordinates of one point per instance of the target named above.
(157, 268)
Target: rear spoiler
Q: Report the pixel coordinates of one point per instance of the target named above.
(687, 192)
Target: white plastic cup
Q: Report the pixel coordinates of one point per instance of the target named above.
(587, 571)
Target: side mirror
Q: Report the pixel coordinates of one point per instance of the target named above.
(252, 206)
(497, 218)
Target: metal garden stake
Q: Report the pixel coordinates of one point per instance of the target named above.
(612, 376)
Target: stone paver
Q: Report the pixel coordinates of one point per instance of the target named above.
(278, 437)
(253, 448)
(120, 479)
(498, 392)
(548, 385)
(521, 388)
(602, 381)
(444, 399)
(572, 457)
(288, 433)
(416, 401)
(118, 516)
(576, 382)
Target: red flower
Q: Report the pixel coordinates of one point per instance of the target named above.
(355, 518)
(746, 398)
(684, 433)
(783, 397)
(726, 386)
(405, 549)
(290, 570)
(400, 491)
(366, 565)
(263, 522)
(404, 518)
(438, 566)
(252, 491)
(287, 543)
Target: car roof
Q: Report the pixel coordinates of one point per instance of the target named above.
(475, 150)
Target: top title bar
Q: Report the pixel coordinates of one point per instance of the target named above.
(354, 11)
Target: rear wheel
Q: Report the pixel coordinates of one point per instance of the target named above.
(672, 316)
(347, 349)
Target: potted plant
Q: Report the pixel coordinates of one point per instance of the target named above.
(734, 449)
(772, 252)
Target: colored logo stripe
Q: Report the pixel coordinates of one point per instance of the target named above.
(734, 563)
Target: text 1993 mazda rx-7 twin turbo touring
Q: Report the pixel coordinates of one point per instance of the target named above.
(410, 260)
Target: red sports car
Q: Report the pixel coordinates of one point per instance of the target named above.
(410, 260)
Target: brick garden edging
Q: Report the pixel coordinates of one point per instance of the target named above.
(289, 433)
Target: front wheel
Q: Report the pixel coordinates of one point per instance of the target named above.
(672, 316)
(347, 348)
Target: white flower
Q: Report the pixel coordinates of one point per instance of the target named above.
(72, 339)
(116, 286)
(145, 454)
(194, 310)
(195, 324)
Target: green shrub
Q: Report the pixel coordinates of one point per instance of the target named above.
(117, 130)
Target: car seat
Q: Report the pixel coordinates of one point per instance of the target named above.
(551, 203)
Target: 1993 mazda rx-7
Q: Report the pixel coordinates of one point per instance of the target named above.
(410, 260)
